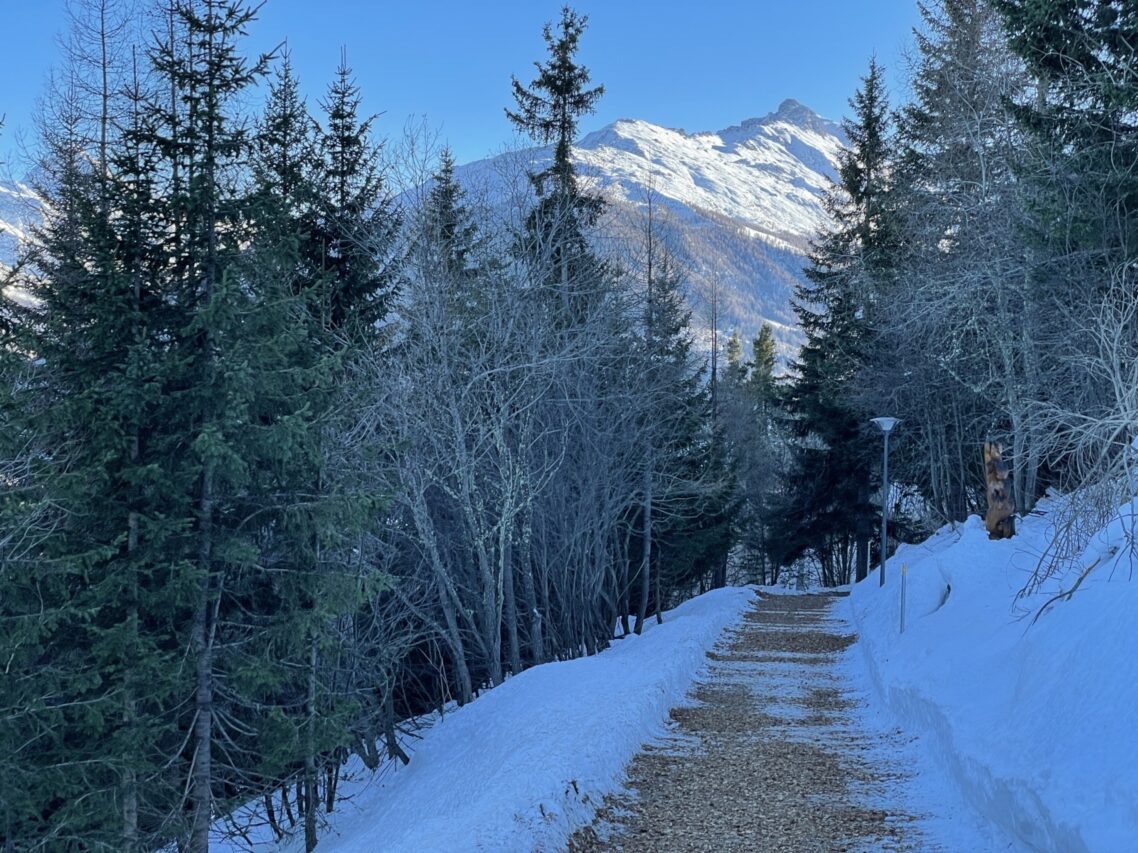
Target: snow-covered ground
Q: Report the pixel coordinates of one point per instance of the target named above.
(1035, 724)
(525, 764)
(1013, 735)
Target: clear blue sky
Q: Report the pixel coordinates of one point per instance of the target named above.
(696, 65)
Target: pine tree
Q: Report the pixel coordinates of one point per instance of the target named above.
(447, 229)
(549, 110)
(826, 513)
(761, 368)
(203, 143)
(736, 364)
(356, 223)
(314, 518)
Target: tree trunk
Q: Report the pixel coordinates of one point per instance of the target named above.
(529, 593)
(506, 555)
(394, 750)
(646, 558)
(201, 795)
(457, 647)
(310, 798)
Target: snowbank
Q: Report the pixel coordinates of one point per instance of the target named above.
(1037, 724)
(526, 764)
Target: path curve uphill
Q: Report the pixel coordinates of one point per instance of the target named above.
(769, 755)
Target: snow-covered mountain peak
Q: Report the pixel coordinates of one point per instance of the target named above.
(742, 204)
(769, 173)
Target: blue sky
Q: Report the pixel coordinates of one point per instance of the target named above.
(696, 65)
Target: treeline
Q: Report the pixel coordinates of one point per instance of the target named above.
(286, 462)
(978, 283)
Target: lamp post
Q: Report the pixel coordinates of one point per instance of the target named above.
(886, 426)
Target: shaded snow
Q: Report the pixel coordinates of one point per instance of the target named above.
(527, 763)
(1035, 724)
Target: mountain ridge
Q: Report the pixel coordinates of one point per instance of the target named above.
(739, 205)
(743, 202)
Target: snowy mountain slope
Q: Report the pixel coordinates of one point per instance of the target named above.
(741, 204)
(766, 174)
(19, 208)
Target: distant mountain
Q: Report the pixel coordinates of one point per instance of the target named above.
(19, 208)
(743, 203)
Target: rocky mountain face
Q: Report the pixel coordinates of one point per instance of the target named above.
(741, 205)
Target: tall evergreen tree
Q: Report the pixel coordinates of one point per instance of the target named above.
(826, 512)
(549, 110)
(356, 223)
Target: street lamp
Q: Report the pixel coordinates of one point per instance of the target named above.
(886, 426)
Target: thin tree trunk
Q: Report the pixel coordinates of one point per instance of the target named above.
(506, 555)
(310, 798)
(646, 558)
(394, 750)
(201, 794)
(529, 592)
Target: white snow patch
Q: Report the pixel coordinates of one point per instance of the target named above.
(1035, 724)
(525, 765)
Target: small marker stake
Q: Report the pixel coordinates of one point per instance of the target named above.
(904, 580)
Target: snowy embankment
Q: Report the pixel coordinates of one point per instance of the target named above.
(526, 764)
(1035, 723)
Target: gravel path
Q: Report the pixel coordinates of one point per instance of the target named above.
(769, 755)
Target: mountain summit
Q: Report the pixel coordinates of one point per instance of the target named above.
(769, 173)
(743, 203)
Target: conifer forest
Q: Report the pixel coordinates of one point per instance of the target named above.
(302, 438)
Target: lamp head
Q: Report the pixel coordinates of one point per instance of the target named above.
(886, 424)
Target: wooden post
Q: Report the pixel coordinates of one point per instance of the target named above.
(1000, 519)
(904, 582)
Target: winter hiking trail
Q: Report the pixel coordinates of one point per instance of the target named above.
(773, 754)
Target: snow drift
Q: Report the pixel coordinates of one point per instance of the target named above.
(1035, 723)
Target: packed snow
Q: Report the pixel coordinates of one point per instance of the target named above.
(1034, 723)
(1015, 734)
(523, 766)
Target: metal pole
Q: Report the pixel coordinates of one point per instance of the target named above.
(884, 505)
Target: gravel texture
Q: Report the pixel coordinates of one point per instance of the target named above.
(766, 757)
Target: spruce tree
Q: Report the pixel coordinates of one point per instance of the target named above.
(108, 572)
(826, 512)
(320, 314)
(355, 221)
(203, 143)
(549, 110)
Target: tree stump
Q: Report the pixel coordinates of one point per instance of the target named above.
(1000, 519)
